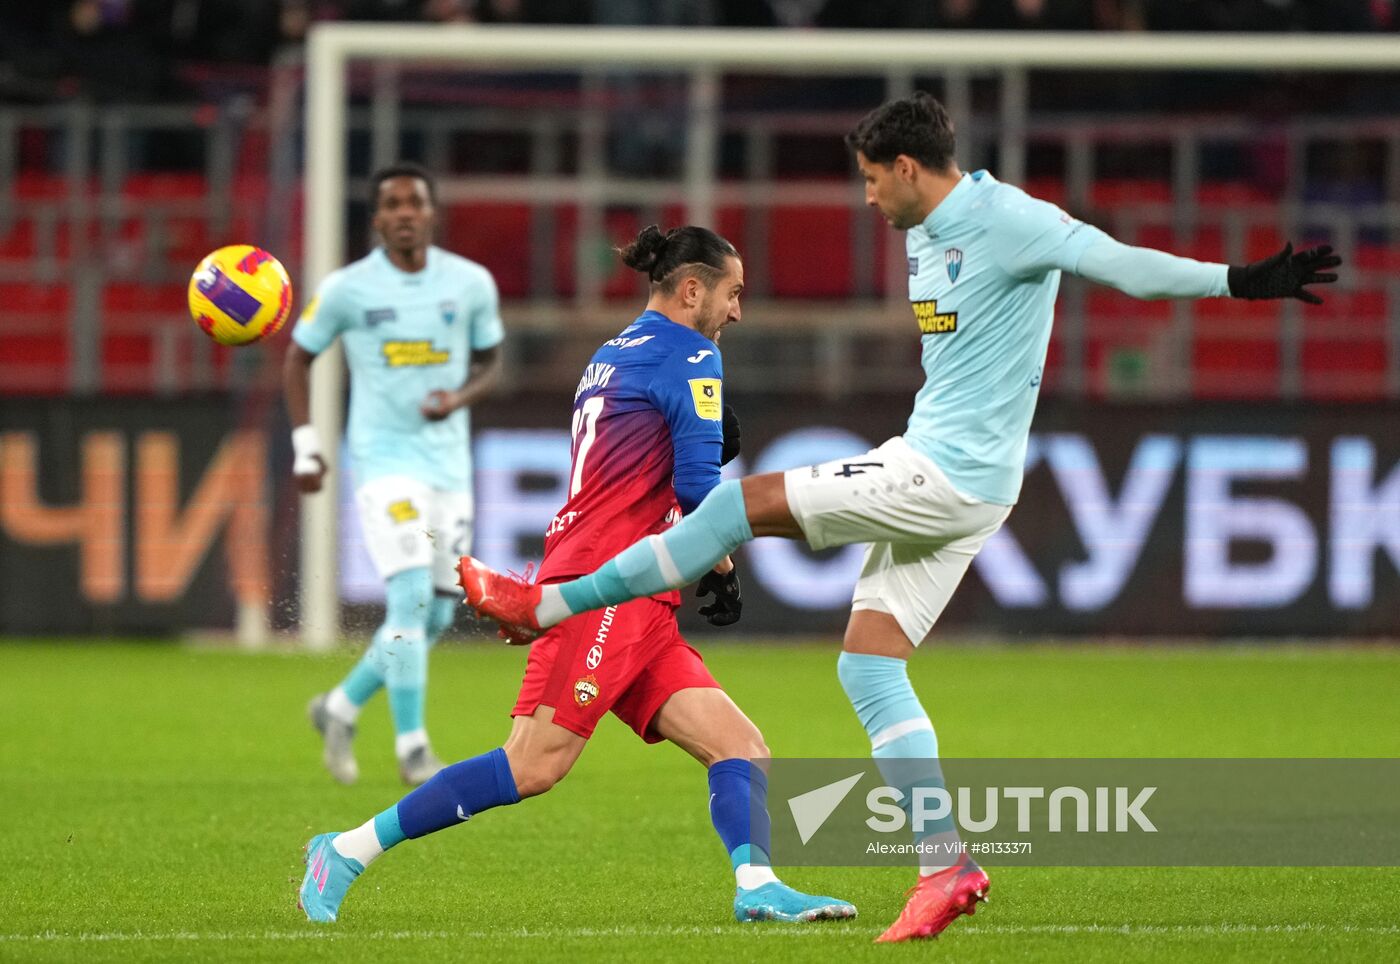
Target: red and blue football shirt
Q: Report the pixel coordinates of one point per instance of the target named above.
(647, 436)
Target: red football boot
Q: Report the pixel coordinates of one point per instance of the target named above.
(937, 900)
(507, 598)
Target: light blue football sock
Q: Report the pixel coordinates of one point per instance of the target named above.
(902, 741)
(408, 598)
(400, 650)
(441, 615)
(675, 558)
(364, 680)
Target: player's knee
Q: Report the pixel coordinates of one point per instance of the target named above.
(746, 744)
(537, 773)
(539, 777)
(848, 672)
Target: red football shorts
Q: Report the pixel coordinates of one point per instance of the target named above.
(628, 659)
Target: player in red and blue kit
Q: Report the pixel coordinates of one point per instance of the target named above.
(648, 441)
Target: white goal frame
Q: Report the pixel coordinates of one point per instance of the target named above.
(704, 55)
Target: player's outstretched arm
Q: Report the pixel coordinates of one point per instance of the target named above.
(1285, 275)
(1150, 274)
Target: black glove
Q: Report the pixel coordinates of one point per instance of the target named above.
(731, 436)
(1284, 275)
(724, 611)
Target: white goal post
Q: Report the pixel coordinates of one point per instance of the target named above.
(704, 55)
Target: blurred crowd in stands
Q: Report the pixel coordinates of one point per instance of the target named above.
(132, 49)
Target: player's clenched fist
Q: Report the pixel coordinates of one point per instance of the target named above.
(439, 404)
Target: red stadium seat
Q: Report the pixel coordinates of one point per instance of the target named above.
(809, 252)
(1224, 367)
(34, 364)
(1350, 369)
(495, 235)
(1115, 192)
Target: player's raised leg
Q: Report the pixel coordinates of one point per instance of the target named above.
(534, 758)
(732, 514)
(707, 724)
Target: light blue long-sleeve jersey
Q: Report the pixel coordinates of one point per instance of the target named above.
(984, 269)
(405, 334)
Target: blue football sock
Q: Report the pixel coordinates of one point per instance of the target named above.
(739, 811)
(455, 794)
(902, 740)
(676, 557)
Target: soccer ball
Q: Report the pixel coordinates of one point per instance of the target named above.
(240, 294)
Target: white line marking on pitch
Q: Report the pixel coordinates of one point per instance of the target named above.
(993, 930)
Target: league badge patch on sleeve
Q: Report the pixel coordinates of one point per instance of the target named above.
(706, 394)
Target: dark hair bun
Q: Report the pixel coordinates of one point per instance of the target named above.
(645, 251)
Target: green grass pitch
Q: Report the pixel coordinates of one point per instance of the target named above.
(156, 799)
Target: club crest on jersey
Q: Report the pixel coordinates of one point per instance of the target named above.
(913, 267)
(585, 690)
(952, 259)
(449, 312)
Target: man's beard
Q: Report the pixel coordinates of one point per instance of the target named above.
(710, 324)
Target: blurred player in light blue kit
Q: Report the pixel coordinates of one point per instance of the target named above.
(422, 331)
(985, 261)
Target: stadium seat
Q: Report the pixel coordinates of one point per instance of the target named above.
(1344, 370)
(496, 235)
(809, 252)
(1234, 367)
(1108, 193)
(1344, 350)
(34, 364)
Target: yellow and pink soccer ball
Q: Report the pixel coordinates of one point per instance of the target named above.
(240, 294)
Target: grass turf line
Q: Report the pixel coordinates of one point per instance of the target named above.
(157, 799)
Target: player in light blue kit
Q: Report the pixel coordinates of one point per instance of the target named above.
(985, 261)
(422, 332)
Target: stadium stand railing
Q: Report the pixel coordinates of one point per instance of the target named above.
(97, 240)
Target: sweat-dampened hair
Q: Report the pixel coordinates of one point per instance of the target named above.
(917, 125)
(661, 256)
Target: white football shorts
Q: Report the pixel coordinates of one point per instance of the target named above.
(922, 532)
(408, 524)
